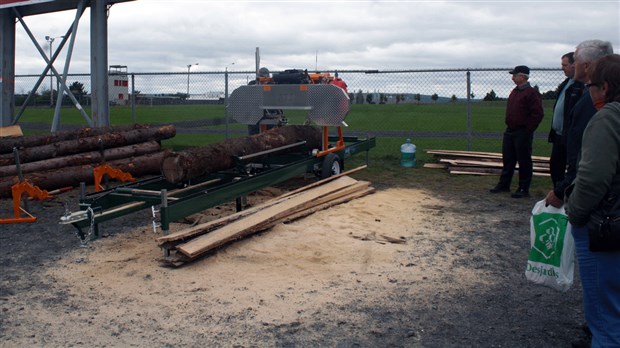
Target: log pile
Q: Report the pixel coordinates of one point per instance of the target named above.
(194, 242)
(479, 163)
(62, 159)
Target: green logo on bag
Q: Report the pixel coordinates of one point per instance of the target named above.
(548, 245)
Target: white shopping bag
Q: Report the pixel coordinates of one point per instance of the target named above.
(552, 256)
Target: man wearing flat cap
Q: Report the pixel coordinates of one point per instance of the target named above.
(524, 112)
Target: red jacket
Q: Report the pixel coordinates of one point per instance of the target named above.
(524, 109)
(340, 83)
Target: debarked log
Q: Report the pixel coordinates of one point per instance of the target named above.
(92, 157)
(195, 162)
(72, 176)
(103, 141)
(8, 143)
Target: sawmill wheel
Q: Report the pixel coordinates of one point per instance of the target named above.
(332, 165)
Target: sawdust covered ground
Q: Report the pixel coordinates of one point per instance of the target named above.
(336, 278)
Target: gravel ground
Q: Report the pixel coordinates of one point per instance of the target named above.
(324, 280)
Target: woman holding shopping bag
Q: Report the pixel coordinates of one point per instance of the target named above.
(598, 178)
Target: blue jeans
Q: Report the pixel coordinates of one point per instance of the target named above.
(600, 278)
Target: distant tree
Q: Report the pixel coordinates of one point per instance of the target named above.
(369, 98)
(382, 98)
(182, 96)
(434, 97)
(491, 96)
(550, 95)
(359, 98)
(417, 97)
(472, 95)
(454, 98)
(78, 91)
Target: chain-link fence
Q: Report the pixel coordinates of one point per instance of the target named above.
(455, 102)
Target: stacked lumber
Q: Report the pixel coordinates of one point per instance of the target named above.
(62, 159)
(479, 163)
(194, 242)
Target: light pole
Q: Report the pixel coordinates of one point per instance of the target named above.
(189, 66)
(51, 41)
(226, 96)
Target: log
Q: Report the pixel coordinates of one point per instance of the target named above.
(72, 176)
(107, 140)
(93, 157)
(244, 227)
(7, 144)
(195, 162)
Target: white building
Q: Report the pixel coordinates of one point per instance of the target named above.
(118, 85)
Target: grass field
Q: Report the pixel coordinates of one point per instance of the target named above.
(440, 117)
(384, 159)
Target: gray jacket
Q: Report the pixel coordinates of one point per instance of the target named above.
(599, 167)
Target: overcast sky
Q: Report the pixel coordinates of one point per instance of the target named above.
(167, 35)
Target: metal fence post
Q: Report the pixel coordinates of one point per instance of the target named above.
(469, 110)
(133, 98)
(226, 99)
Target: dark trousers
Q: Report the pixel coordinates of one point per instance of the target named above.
(557, 161)
(517, 148)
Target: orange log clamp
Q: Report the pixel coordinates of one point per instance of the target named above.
(112, 173)
(17, 190)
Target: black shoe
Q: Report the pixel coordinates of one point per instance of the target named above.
(499, 188)
(520, 193)
(585, 341)
(582, 343)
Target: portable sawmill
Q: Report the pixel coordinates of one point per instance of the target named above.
(326, 107)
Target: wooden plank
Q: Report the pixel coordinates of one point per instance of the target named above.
(11, 131)
(178, 259)
(472, 171)
(197, 230)
(469, 163)
(436, 165)
(479, 154)
(337, 197)
(328, 204)
(237, 228)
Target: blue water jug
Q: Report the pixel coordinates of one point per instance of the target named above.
(407, 154)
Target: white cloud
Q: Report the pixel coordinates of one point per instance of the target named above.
(157, 35)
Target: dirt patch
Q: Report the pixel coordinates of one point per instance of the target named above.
(404, 266)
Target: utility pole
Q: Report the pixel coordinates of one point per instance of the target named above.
(51, 41)
(189, 66)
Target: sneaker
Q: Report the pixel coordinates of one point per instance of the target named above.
(499, 188)
(520, 193)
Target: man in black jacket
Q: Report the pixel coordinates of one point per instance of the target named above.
(568, 93)
(586, 53)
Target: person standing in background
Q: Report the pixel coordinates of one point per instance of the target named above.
(586, 53)
(524, 112)
(339, 82)
(569, 92)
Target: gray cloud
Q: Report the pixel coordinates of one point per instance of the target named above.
(157, 35)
